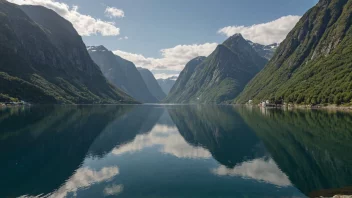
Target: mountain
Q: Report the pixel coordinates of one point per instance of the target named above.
(265, 51)
(121, 73)
(44, 60)
(183, 79)
(313, 65)
(152, 84)
(220, 77)
(167, 84)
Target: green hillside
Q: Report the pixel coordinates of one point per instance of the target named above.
(313, 65)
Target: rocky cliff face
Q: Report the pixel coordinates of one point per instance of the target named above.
(220, 77)
(152, 83)
(45, 60)
(121, 73)
(313, 64)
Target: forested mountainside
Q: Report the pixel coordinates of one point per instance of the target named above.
(313, 65)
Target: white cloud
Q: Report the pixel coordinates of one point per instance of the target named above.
(114, 12)
(83, 178)
(172, 59)
(165, 75)
(123, 38)
(259, 169)
(265, 33)
(84, 24)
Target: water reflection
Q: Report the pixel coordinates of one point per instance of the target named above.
(173, 151)
(311, 147)
(139, 120)
(113, 190)
(41, 147)
(168, 139)
(261, 169)
(86, 177)
(220, 130)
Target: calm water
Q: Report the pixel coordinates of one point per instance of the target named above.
(173, 151)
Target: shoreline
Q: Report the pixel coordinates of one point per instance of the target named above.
(11, 104)
(308, 107)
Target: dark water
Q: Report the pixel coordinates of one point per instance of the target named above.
(173, 151)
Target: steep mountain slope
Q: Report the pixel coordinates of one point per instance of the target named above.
(221, 76)
(313, 65)
(177, 91)
(45, 61)
(167, 84)
(121, 73)
(152, 84)
(265, 51)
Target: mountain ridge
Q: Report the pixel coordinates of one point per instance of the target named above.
(122, 73)
(167, 84)
(42, 70)
(220, 77)
(152, 83)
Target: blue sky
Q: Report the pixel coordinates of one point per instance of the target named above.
(152, 25)
(162, 35)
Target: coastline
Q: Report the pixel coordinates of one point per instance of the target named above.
(13, 104)
(329, 107)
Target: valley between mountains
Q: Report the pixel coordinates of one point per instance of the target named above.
(45, 61)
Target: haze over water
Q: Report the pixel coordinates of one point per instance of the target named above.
(173, 151)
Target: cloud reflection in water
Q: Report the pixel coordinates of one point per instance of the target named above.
(169, 139)
(83, 178)
(264, 170)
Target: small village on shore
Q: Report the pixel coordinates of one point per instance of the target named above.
(268, 104)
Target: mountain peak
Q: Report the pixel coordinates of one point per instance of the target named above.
(99, 48)
(236, 37)
(236, 41)
(239, 35)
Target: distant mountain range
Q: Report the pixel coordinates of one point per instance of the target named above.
(167, 84)
(313, 65)
(220, 77)
(266, 51)
(121, 73)
(44, 60)
(152, 83)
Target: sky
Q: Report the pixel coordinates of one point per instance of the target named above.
(163, 35)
